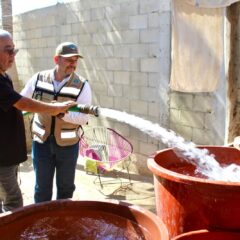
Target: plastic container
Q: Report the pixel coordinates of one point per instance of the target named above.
(92, 220)
(186, 203)
(208, 235)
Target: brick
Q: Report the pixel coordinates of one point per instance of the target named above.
(97, 13)
(99, 63)
(121, 51)
(84, 39)
(115, 90)
(105, 76)
(105, 51)
(98, 38)
(129, 8)
(122, 103)
(120, 37)
(121, 78)
(138, 50)
(192, 119)
(139, 107)
(99, 87)
(139, 79)
(131, 93)
(184, 131)
(131, 64)
(106, 101)
(114, 64)
(148, 94)
(205, 137)
(181, 100)
(150, 65)
(203, 103)
(149, 36)
(65, 30)
(120, 23)
(145, 148)
(113, 11)
(138, 22)
(154, 20)
(175, 116)
(154, 109)
(90, 51)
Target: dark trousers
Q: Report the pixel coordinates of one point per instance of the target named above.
(48, 159)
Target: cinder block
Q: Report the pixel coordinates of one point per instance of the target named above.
(149, 36)
(138, 22)
(203, 103)
(115, 90)
(122, 103)
(106, 101)
(121, 51)
(122, 78)
(139, 107)
(148, 94)
(192, 119)
(97, 13)
(139, 79)
(150, 65)
(180, 100)
(131, 93)
(114, 64)
(131, 65)
(138, 50)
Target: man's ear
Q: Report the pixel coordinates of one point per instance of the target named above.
(56, 59)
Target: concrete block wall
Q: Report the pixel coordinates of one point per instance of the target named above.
(200, 118)
(126, 46)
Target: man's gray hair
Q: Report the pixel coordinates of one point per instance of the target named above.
(4, 33)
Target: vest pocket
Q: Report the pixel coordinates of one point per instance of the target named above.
(38, 129)
(68, 134)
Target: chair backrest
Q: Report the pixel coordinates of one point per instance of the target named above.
(110, 145)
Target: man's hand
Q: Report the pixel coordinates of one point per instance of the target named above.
(60, 108)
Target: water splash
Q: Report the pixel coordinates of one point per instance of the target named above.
(205, 163)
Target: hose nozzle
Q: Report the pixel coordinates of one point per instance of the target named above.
(87, 109)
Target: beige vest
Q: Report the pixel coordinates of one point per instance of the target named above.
(43, 125)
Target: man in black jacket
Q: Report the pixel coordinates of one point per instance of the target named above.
(12, 133)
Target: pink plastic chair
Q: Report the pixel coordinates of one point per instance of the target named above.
(108, 149)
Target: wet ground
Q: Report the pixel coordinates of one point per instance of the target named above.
(139, 192)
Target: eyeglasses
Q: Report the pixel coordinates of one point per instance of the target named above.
(11, 51)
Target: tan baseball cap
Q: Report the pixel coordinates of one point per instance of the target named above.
(67, 49)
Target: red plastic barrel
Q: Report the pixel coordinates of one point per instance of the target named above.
(185, 202)
(208, 235)
(66, 219)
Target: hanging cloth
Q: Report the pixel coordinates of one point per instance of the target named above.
(211, 3)
(197, 47)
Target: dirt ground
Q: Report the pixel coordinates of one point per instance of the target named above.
(139, 192)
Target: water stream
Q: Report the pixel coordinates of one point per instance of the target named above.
(205, 163)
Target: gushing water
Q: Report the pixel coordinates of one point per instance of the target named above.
(205, 163)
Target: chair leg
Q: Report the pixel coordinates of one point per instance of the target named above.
(127, 168)
(123, 185)
(99, 177)
(129, 178)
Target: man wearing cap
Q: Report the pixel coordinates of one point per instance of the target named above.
(56, 140)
